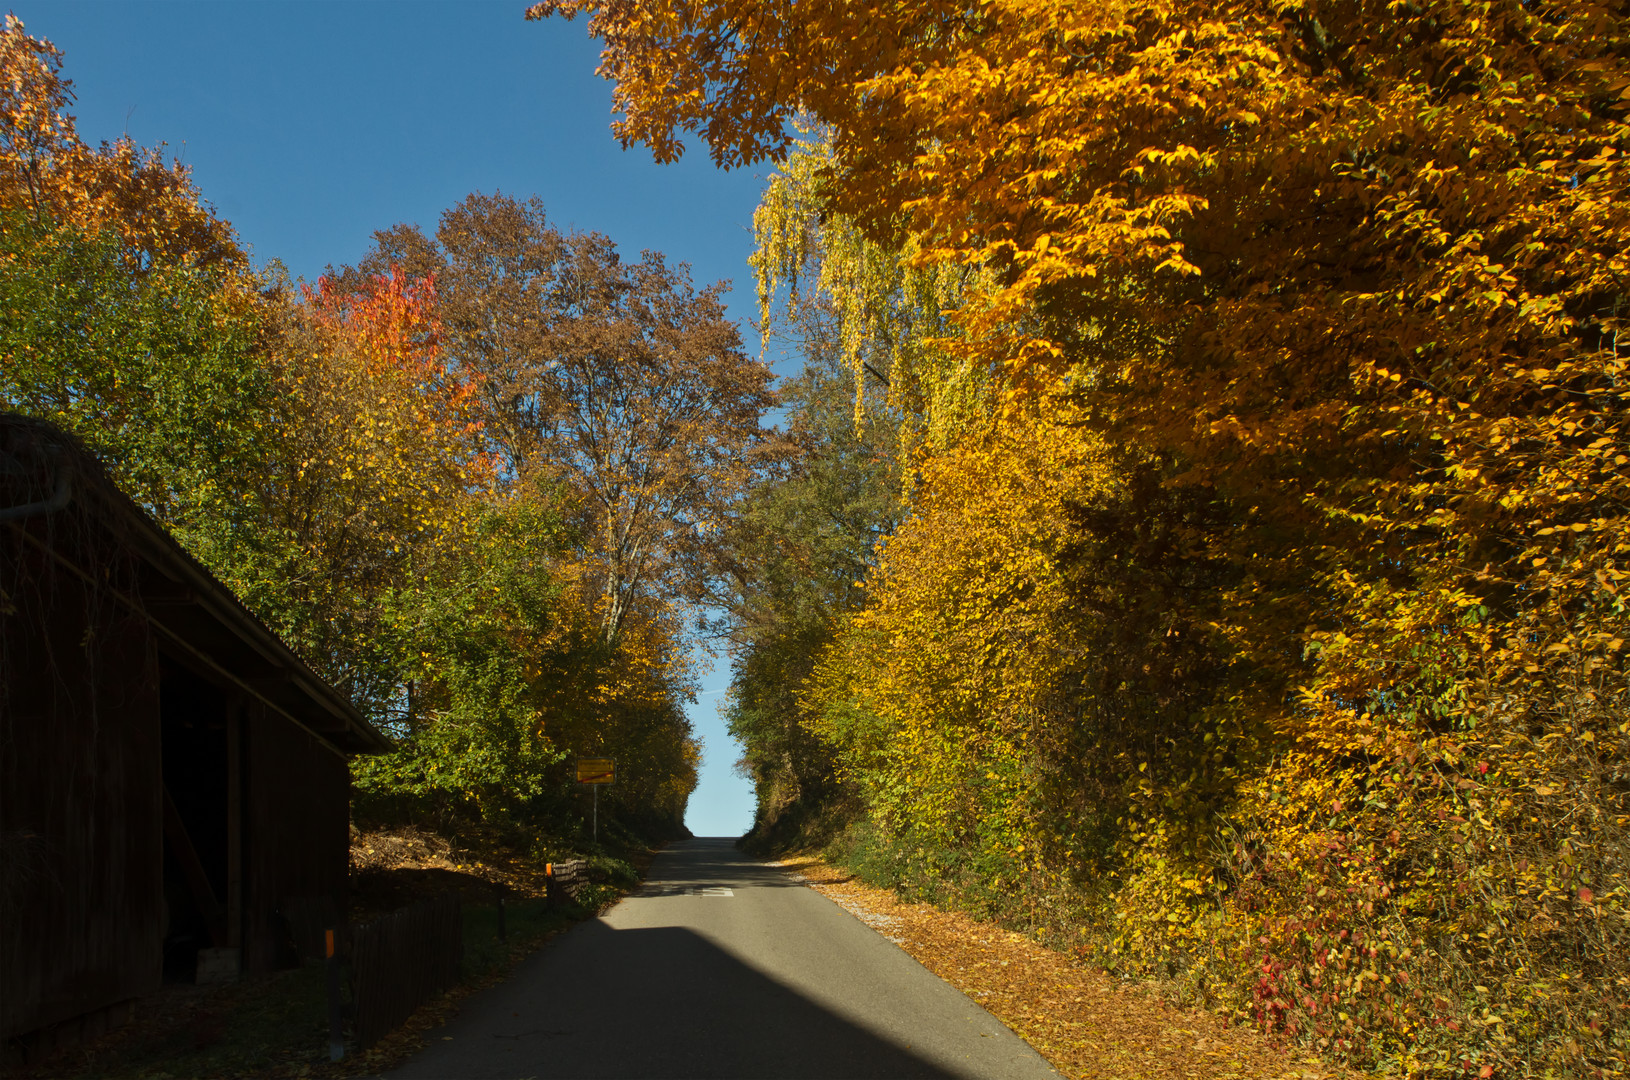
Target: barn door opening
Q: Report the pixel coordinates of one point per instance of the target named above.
(194, 720)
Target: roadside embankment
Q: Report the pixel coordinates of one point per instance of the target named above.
(1087, 1024)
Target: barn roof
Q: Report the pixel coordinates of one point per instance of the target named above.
(44, 471)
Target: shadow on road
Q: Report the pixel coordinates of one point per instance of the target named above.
(655, 1002)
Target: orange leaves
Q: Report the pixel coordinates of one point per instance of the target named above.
(380, 441)
(392, 330)
(34, 128)
(1112, 131)
(151, 205)
(392, 319)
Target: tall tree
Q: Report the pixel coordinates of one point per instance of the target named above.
(377, 463)
(618, 380)
(126, 310)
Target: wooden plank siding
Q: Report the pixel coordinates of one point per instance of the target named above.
(172, 777)
(299, 845)
(81, 881)
(403, 959)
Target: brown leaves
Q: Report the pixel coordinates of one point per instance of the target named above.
(1086, 1023)
(616, 379)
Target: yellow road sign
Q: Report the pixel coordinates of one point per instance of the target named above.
(596, 770)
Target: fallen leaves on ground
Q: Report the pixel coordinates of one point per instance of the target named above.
(391, 868)
(1086, 1023)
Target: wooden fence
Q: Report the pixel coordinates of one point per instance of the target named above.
(401, 960)
(566, 879)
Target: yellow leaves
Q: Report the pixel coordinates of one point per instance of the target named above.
(152, 205)
(1181, 155)
(1399, 372)
(968, 603)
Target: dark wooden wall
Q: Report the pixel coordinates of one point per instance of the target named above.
(124, 673)
(297, 847)
(81, 832)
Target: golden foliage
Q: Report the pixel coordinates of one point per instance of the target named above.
(1347, 280)
(889, 308)
(931, 695)
(378, 441)
(44, 166)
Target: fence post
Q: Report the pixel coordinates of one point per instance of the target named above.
(336, 1031)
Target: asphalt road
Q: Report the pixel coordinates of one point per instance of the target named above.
(723, 967)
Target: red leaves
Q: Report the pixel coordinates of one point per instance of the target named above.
(393, 328)
(392, 318)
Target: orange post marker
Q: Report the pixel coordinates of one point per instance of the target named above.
(336, 1017)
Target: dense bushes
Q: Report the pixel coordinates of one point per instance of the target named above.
(1048, 722)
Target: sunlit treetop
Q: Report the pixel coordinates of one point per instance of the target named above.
(1077, 143)
(149, 203)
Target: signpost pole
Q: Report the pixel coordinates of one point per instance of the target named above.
(594, 772)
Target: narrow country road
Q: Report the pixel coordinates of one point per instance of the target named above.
(724, 967)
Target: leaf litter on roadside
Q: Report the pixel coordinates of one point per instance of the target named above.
(1086, 1023)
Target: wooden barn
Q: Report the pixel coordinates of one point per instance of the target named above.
(174, 788)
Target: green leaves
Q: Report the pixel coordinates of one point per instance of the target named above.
(154, 370)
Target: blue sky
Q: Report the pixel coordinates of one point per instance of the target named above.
(310, 125)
